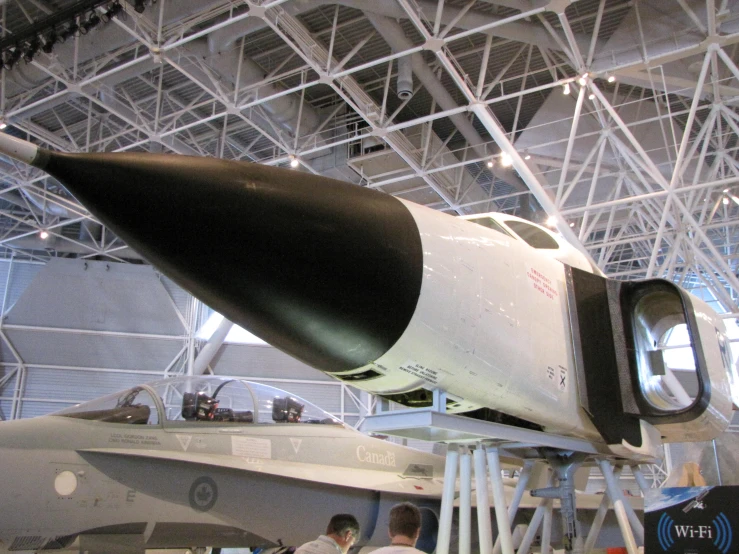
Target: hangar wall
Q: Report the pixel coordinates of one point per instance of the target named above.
(73, 330)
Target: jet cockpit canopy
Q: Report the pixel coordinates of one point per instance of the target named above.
(207, 399)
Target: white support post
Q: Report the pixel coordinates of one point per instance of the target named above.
(618, 505)
(484, 525)
(570, 146)
(640, 479)
(447, 500)
(600, 515)
(501, 514)
(536, 520)
(523, 480)
(636, 525)
(546, 528)
(209, 351)
(465, 501)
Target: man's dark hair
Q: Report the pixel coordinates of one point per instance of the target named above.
(405, 519)
(341, 523)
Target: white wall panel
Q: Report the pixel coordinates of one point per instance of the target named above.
(179, 297)
(70, 349)
(6, 355)
(78, 294)
(75, 323)
(21, 275)
(77, 386)
(38, 408)
(5, 406)
(263, 361)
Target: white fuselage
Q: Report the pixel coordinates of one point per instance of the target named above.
(490, 327)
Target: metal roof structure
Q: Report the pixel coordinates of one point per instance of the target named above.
(455, 104)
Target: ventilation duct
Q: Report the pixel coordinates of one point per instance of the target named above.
(405, 78)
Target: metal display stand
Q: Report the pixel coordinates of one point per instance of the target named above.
(485, 444)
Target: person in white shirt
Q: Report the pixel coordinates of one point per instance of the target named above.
(341, 534)
(404, 530)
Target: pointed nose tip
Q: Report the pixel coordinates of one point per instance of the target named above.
(326, 271)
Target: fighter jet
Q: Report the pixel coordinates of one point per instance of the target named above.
(200, 461)
(513, 324)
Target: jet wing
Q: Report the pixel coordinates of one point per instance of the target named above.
(383, 481)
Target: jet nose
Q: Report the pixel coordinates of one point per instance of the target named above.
(326, 271)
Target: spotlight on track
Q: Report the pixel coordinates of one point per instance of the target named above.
(505, 159)
(49, 42)
(92, 21)
(294, 162)
(491, 163)
(43, 234)
(70, 31)
(610, 78)
(566, 88)
(113, 10)
(31, 49)
(11, 57)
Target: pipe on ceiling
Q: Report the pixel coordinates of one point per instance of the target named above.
(404, 80)
(393, 34)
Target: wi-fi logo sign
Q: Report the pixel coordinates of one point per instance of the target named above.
(664, 532)
(724, 534)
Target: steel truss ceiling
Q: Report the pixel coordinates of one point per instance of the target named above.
(454, 104)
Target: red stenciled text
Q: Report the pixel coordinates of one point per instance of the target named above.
(542, 283)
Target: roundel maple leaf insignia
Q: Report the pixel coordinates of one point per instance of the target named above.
(203, 494)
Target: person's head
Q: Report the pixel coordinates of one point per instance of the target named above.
(344, 529)
(405, 521)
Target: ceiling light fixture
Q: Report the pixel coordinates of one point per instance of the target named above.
(114, 10)
(566, 88)
(491, 163)
(610, 78)
(12, 57)
(43, 34)
(551, 221)
(591, 96)
(31, 50)
(294, 162)
(505, 159)
(92, 21)
(44, 234)
(49, 42)
(70, 31)
(3, 125)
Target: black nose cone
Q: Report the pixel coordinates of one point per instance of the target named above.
(326, 271)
